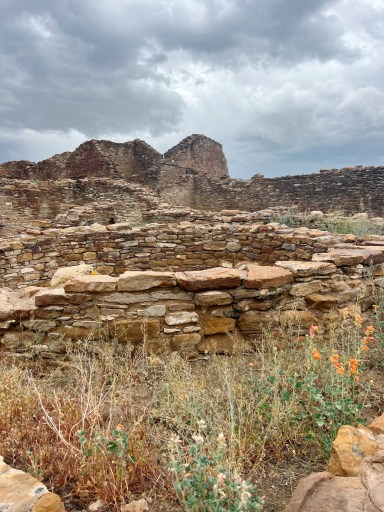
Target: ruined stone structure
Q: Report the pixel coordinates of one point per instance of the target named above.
(187, 274)
(33, 259)
(192, 174)
(194, 311)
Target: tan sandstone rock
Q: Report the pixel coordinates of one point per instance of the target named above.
(377, 425)
(50, 502)
(261, 277)
(217, 344)
(133, 281)
(181, 317)
(63, 275)
(324, 492)
(183, 341)
(210, 279)
(134, 331)
(307, 268)
(323, 302)
(213, 298)
(349, 449)
(21, 492)
(253, 322)
(91, 284)
(215, 325)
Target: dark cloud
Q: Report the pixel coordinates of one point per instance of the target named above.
(275, 81)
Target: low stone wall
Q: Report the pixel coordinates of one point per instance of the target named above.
(33, 259)
(195, 311)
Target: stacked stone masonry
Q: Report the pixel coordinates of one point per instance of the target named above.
(194, 173)
(193, 312)
(32, 259)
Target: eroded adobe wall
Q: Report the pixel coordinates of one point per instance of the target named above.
(33, 259)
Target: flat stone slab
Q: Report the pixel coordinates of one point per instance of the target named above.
(262, 277)
(210, 279)
(14, 306)
(91, 284)
(323, 492)
(352, 256)
(213, 298)
(21, 492)
(134, 281)
(51, 297)
(307, 268)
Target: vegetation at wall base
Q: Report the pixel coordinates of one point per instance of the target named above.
(106, 425)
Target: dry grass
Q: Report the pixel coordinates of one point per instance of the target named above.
(99, 426)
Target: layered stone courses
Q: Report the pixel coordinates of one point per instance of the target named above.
(31, 259)
(192, 312)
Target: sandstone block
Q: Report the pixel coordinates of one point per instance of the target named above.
(181, 317)
(132, 281)
(307, 268)
(158, 310)
(350, 257)
(253, 322)
(233, 246)
(62, 275)
(377, 425)
(323, 302)
(134, 330)
(19, 489)
(38, 325)
(49, 502)
(13, 340)
(91, 284)
(51, 297)
(213, 298)
(296, 317)
(210, 279)
(303, 289)
(349, 449)
(217, 344)
(214, 246)
(262, 277)
(214, 325)
(75, 333)
(323, 492)
(182, 341)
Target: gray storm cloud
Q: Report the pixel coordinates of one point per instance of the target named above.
(285, 86)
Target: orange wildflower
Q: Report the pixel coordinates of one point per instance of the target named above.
(313, 330)
(340, 370)
(357, 378)
(251, 365)
(369, 330)
(376, 307)
(353, 366)
(316, 354)
(335, 360)
(120, 427)
(358, 320)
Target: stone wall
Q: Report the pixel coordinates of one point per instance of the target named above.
(33, 258)
(194, 311)
(194, 173)
(27, 204)
(200, 155)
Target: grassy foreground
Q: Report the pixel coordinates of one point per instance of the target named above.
(188, 436)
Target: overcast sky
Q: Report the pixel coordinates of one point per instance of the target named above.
(286, 86)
